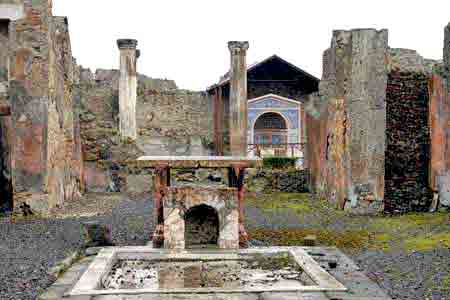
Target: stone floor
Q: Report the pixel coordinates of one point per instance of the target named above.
(408, 256)
(360, 287)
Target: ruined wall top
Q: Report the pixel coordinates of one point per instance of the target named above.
(447, 48)
(408, 60)
(384, 30)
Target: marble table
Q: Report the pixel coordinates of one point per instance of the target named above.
(162, 164)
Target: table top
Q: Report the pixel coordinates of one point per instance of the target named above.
(199, 161)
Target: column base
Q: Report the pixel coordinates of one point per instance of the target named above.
(158, 237)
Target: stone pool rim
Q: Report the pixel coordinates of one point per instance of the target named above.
(90, 281)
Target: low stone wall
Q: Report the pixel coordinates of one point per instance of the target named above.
(264, 180)
(140, 182)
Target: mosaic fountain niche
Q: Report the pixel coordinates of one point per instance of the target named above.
(200, 245)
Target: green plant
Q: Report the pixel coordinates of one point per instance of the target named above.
(278, 162)
(208, 143)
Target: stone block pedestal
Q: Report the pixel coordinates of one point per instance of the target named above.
(181, 223)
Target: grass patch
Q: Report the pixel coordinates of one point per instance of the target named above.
(334, 227)
(412, 231)
(446, 283)
(408, 221)
(428, 242)
(298, 202)
(294, 237)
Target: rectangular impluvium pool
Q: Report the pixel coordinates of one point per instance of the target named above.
(140, 270)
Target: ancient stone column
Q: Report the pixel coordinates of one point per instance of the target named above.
(128, 88)
(238, 98)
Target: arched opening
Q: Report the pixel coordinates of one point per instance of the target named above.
(270, 128)
(201, 227)
(271, 131)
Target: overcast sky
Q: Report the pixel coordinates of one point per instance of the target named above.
(186, 40)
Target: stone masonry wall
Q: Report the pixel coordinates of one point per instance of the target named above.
(41, 109)
(440, 126)
(440, 137)
(354, 87)
(30, 40)
(316, 123)
(64, 173)
(316, 117)
(170, 121)
(348, 164)
(408, 143)
(268, 180)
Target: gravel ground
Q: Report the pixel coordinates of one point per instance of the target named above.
(418, 275)
(29, 248)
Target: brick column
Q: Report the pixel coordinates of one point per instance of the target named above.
(238, 98)
(128, 88)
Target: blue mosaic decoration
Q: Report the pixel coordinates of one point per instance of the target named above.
(289, 110)
(271, 102)
(292, 115)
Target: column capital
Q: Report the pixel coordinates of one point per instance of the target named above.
(238, 46)
(127, 44)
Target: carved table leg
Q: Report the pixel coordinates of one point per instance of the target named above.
(162, 180)
(236, 176)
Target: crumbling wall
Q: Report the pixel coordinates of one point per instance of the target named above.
(440, 137)
(170, 121)
(41, 109)
(29, 63)
(440, 126)
(385, 115)
(353, 86)
(316, 125)
(64, 177)
(408, 143)
(316, 117)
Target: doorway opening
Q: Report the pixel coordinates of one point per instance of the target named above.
(201, 227)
